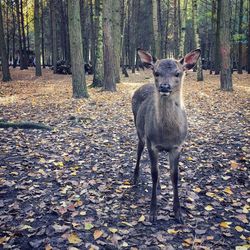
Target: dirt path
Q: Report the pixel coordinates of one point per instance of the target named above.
(70, 188)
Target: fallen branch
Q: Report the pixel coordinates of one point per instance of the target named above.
(24, 125)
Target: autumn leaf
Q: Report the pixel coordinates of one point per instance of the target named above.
(243, 247)
(225, 224)
(209, 208)
(142, 218)
(88, 226)
(228, 190)
(172, 231)
(97, 234)
(113, 230)
(73, 238)
(239, 229)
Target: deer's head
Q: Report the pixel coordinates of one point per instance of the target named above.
(168, 73)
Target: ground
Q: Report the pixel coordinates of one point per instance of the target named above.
(70, 188)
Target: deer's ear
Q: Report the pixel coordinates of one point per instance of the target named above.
(146, 58)
(190, 59)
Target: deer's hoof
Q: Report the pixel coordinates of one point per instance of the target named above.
(178, 217)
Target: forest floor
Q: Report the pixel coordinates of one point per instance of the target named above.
(70, 188)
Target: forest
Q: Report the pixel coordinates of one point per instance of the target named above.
(72, 76)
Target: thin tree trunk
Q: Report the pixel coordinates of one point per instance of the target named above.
(13, 36)
(37, 38)
(25, 55)
(225, 75)
(240, 33)
(54, 33)
(92, 33)
(116, 8)
(98, 69)
(156, 50)
(3, 53)
(175, 25)
(197, 39)
(76, 50)
(27, 28)
(213, 38)
(183, 29)
(217, 40)
(248, 52)
(109, 74)
(42, 30)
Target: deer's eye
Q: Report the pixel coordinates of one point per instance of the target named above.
(177, 74)
(157, 74)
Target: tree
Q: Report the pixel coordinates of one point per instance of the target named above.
(156, 50)
(217, 40)
(116, 7)
(98, 69)
(224, 41)
(76, 50)
(53, 21)
(197, 39)
(37, 39)
(240, 34)
(109, 73)
(3, 53)
(248, 52)
(183, 29)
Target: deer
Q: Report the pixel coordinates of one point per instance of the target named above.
(161, 121)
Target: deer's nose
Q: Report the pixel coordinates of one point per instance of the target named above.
(165, 87)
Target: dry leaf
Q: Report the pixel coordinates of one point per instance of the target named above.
(239, 229)
(97, 234)
(209, 208)
(142, 218)
(74, 239)
(225, 224)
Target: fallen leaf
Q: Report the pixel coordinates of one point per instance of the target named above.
(209, 208)
(97, 234)
(239, 229)
(228, 190)
(113, 230)
(142, 218)
(73, 238)
(172, 231)
(88, 226)
(225, 224)
(244, 247)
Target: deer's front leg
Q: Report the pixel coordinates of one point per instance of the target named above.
(153, 155)
(174, 156)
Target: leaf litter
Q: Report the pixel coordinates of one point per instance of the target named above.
(70, 188)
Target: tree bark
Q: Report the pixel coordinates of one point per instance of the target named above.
(25, 55)
(54, 33)
(116, 7)
(42, 31)
(3, 53)
(197, 40)
(240, 41)
(156, 50)
(76, 50)
(217, 40)
(37, 39)
(183, 29)
(225, 74)
(248, 52)
(98, 69)
(109, 74)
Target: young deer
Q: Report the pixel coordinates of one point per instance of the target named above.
(160, 119)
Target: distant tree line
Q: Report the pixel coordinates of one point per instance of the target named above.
(106, 34)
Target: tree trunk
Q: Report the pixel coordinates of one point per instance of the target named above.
(175, 27)
(98, 69)
(13, 36)
(156, 47)
(248, 52)
(217, 40)
(183, 29)
(109, 74)
(54, 33)
(197, 39)
(25, 55)
(3, 53)
(76, 50)
(132, 35)
(37, 39)
(240, 41)
(42, 30)
(225, 75)
(116, 8)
